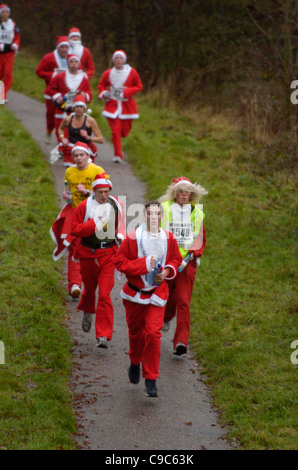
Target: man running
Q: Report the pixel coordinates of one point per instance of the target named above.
(84, 54)
(78, 186)
(52, 63)
(117, 87)
(9, 45)
(99, 223)
(183, 216)
(65, 86)
(149, 257)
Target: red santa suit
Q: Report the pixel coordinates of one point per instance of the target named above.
(65, 243)
(82, 52)
(121, 108)
(143, 300)
(9, 46)
(186, 221)
(67, 85)
(96, 252)
(51, 64)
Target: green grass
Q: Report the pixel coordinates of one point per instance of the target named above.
(244, 306)
(35, 407)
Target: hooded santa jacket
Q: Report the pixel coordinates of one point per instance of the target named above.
(131, 261)
(65, 82)
(121, 104)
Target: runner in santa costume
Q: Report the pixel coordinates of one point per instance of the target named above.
(78, 126)
(117, 86)
(99, 222)
(51, 64)
(183, 216)
(149, 257)
(65, 86)
(78, 186)
(87, 64)
(9, 46)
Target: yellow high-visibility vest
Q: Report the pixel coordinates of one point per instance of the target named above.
(184, 231)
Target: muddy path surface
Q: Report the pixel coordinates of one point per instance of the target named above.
(112, 413)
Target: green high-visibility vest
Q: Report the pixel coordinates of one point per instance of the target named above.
(194, 224)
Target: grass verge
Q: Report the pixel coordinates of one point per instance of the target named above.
(244, 306)
(35, 407)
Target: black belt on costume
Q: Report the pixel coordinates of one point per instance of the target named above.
(99, 245)
(142, 291)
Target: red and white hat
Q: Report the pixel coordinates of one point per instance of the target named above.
(3, 7)
(79, 100)
(73, 56)
(80, 146)
(120, 52)
(74, 32)
(180, 180)
(102, 181)
(61, 41)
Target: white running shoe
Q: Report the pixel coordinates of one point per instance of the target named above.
(75, 291)
(102, 342)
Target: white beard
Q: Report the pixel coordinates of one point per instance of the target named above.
(76, 48)
(153, 245)
(73, 81)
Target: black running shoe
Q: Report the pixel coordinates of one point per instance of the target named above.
(134, 373)
(151, 390)
(180, 349)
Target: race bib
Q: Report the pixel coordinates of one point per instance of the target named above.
(6, 37)
(183, 232)
(70, 97)
(59, 69)
(116, 93)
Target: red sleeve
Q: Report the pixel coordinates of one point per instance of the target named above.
(45, 69)
(86, 88)
(135, 87)
(126, 260)
(17, 37)
(200, 243)
(89, 67)
(104, 83)
(78, 227)
(121, 229)
(174, 258)
(53, 89)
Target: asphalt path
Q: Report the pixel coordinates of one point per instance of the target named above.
(112, 413)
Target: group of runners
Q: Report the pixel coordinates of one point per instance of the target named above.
(160, 256)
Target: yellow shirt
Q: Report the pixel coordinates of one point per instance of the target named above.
(74, 176)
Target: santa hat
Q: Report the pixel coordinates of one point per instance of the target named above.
(80, 146)
(79, 100)
(181, 180)
(102, 181)
(74, 32)
(120, 52)
(3, 7)
(62, 41)
(73, 56)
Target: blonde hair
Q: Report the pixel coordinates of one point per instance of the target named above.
(196, 190)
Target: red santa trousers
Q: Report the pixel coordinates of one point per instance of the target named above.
(50, 115)
(120, 128)
(180, 292)
(99, 272)
(144, 324)
(6, 70)
(73, 267)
